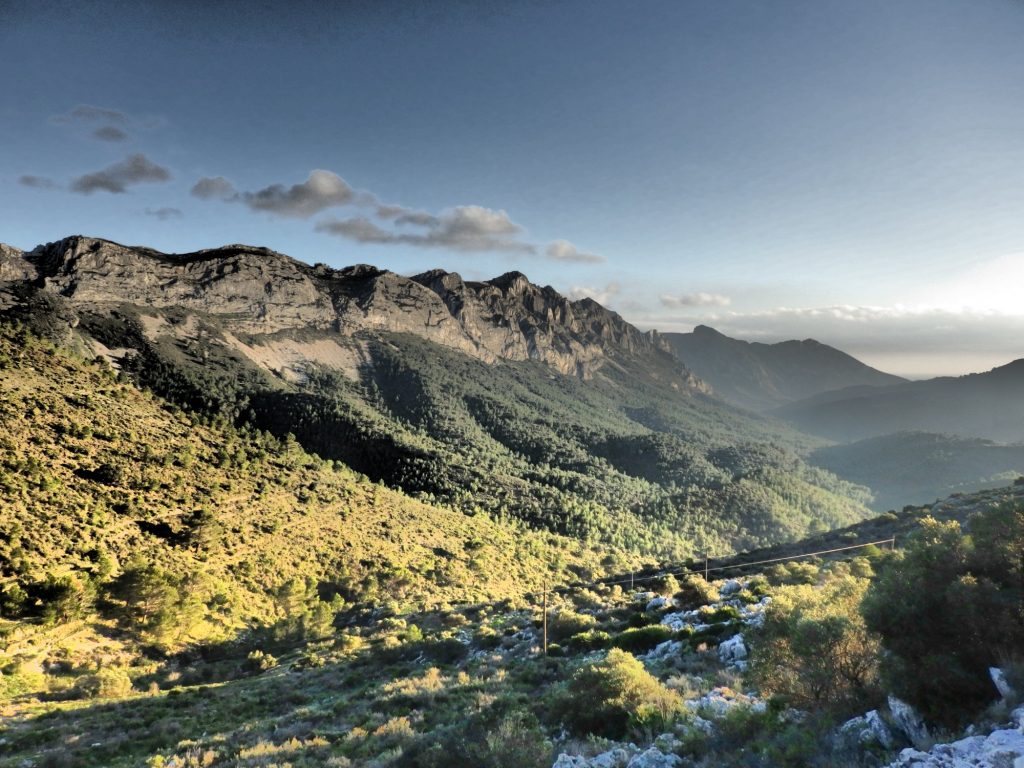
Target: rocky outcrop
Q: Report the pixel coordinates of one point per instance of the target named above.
(258, 292)
(1001, 748)
(14, 267)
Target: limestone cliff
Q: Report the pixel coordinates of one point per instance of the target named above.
(260, 294)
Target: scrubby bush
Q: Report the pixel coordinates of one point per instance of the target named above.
(694, 592)
(107, 683)
(949, 608)
(259, 661)
(503, 736)
(610, 696)
(642, 639)
(814, 650)
(591, 640)
(566, 623)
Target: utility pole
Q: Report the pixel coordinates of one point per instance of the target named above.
(545, 604)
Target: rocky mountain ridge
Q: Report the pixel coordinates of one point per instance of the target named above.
(257, 292)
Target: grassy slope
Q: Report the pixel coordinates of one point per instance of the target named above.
(86, 459)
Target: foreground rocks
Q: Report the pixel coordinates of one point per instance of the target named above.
(1003, 748)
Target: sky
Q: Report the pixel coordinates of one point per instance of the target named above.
(846, 171)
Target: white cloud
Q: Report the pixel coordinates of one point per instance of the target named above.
(464, 228)
(563, 250)
(600, 295)
(699, 299)
(467, 228)
(322, 190)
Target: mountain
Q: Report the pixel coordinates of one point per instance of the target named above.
(912, 467)
(764, 376)
(497, 397)
(981, 405)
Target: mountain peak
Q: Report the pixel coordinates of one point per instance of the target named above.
(763, 376)
(708, 331)
(511, 281)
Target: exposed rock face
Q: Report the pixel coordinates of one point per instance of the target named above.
(1003, 747)
(14, 266)
(262, 290)
(256, 292)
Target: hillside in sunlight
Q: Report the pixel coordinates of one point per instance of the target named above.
(97, 475)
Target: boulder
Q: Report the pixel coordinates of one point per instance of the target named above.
(1000, 749)
(1001, 683)
(863, 731)
(660, 602)
(663, 651)
(733, 652)
(613, 758)
(909, 722)
(570, 761)
(731, 587)
(655, 758)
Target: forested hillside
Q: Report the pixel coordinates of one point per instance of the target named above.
(99, 478)
(501, 397)
(912, 467)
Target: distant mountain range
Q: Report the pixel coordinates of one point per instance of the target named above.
(765, 376)
(983, 405)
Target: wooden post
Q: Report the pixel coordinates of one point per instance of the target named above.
(545, 603)
(631, 581)
(705, 566)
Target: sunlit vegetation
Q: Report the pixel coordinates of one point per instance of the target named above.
(950, 608)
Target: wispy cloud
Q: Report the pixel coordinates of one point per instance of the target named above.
(600, 295)
(322, 190)
(110, 133)
(116, 178)
(37, 182)
(563, 250)
(164, 214)
(89, 113)
(115, 123)
(214, 188)
(699, 299)
(465, 228)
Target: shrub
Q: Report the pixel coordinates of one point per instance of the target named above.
(609, 697)
(694, 592)
(591, 640)
(642, 639)
(814, 649)
(107, 683)
(948, 609)
(259, 661)
(566, 623)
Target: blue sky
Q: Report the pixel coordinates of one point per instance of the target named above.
(852, 172)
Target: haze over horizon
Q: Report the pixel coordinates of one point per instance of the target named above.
(855, 176)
